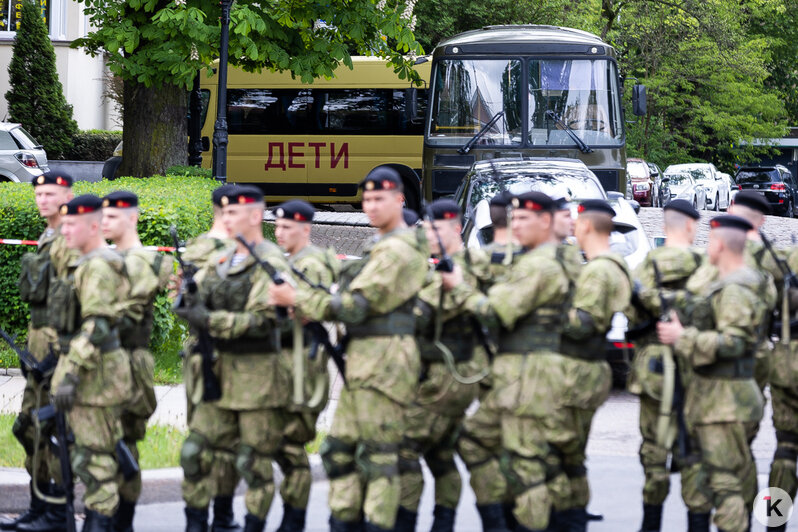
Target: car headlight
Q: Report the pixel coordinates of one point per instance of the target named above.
(641, 187)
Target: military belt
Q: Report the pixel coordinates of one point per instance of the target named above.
(741, 368)
(385, 325)
(591, 349)
(242, 346)
(138, 338)
(112, 344)
(462, 348)
(528, 338)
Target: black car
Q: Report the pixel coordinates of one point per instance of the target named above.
(776, 183)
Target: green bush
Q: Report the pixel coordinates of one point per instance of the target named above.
(182, 201)
(93, 145)
(189, 170)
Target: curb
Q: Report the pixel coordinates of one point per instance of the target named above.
(158, 486)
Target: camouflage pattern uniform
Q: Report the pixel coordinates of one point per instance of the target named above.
(86, 313)
(361, 453)
(603, 288)
(245, 426)
(528, 371)
(433, 420)
(675, 265)
(148, 273)
(722, 399)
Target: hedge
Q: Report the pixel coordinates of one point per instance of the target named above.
(93, 145)
(183, 201)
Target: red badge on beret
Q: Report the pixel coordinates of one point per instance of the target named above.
(388, 185)
(244, 199)
(580, 209)
(532, 206)
(449, 215)
(714, 223)
(299, 218)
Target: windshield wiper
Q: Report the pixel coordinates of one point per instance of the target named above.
(470, 144)
(584, 148)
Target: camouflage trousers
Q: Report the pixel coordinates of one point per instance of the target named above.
(361, 457)
(654, 459)
(96, 430)
(136, 414)
(40, 461)
(785, 419)
(731, 474)
(250, 439)
(224, 468)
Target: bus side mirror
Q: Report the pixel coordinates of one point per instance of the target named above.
(639, 100)
(411, 104)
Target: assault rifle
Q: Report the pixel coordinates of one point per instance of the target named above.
(61, 443)
(39, 370)
(316, 329)
(212, 390)
(678, 387)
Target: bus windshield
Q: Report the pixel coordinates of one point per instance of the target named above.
(584, 93)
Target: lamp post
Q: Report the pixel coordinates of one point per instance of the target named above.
(220, 126)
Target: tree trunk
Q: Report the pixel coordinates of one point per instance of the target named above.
(155, 134)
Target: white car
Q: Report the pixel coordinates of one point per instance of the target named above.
(683, 186)
(716, 183)
(22, 159)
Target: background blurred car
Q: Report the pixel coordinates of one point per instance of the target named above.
(22, 159)
(776, 183)
(638, 172)
(662, 189)
(718, 189)
(683, 186)
(557, 178)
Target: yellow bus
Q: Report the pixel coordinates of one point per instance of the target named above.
(318, 141)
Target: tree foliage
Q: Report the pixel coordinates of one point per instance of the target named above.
(36, 98)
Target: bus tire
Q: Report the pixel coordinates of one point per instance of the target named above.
(412, 186)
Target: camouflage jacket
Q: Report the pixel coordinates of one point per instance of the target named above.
(252, 370)
(148, 273)
(384, 283)
(204, 248)
(95, 355)
(675, 265)
(726, 327)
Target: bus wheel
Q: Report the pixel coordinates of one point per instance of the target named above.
(412, 197)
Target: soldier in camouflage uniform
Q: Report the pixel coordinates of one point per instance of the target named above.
(200, 251)
(249, 420)
(723, 400)
(676, 262)
(51, 190)
(319, 268)
(93, 380)
(148, 272)
(375, 302)
(433, 420)
(529, 306)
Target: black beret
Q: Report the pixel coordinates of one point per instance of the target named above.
(85, 204)
(216, 195)
(444, 209)
(562, 204)
(683, 207)
(752, 200)
(410, 216)
(730, 221)
(534, 201)
(241, 195)
(502, 199)
(54, 178)
(382, 178)
(295, 209)
(595, 205)
(121, 199)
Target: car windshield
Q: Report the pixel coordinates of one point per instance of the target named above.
(678, 180)
(759, 175)
(637, 170)
(556, 185)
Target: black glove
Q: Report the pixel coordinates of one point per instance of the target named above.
(64, 397)
(197, 315)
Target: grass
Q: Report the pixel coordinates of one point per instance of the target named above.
(160, 448)
(168, 368)
(8, 358)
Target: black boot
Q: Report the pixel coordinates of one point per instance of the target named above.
(443, 519)
(96, 522)
(253, 524)
(196, 519)
(698, 522)
(573, 520)
(52, 520)
(123, 518)
(782, 528)
(509, 518)
(371, 527)
(405, 520)
(223, 517)
(344, 526)
(492, 516)
(652, 518)
(293, 519)
(37, 507)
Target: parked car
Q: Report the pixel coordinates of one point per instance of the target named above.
(662, 189)
(557, 178)
(776, 183)
(718, 189)
(22, 159)
(683, 186)
(644, 181)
